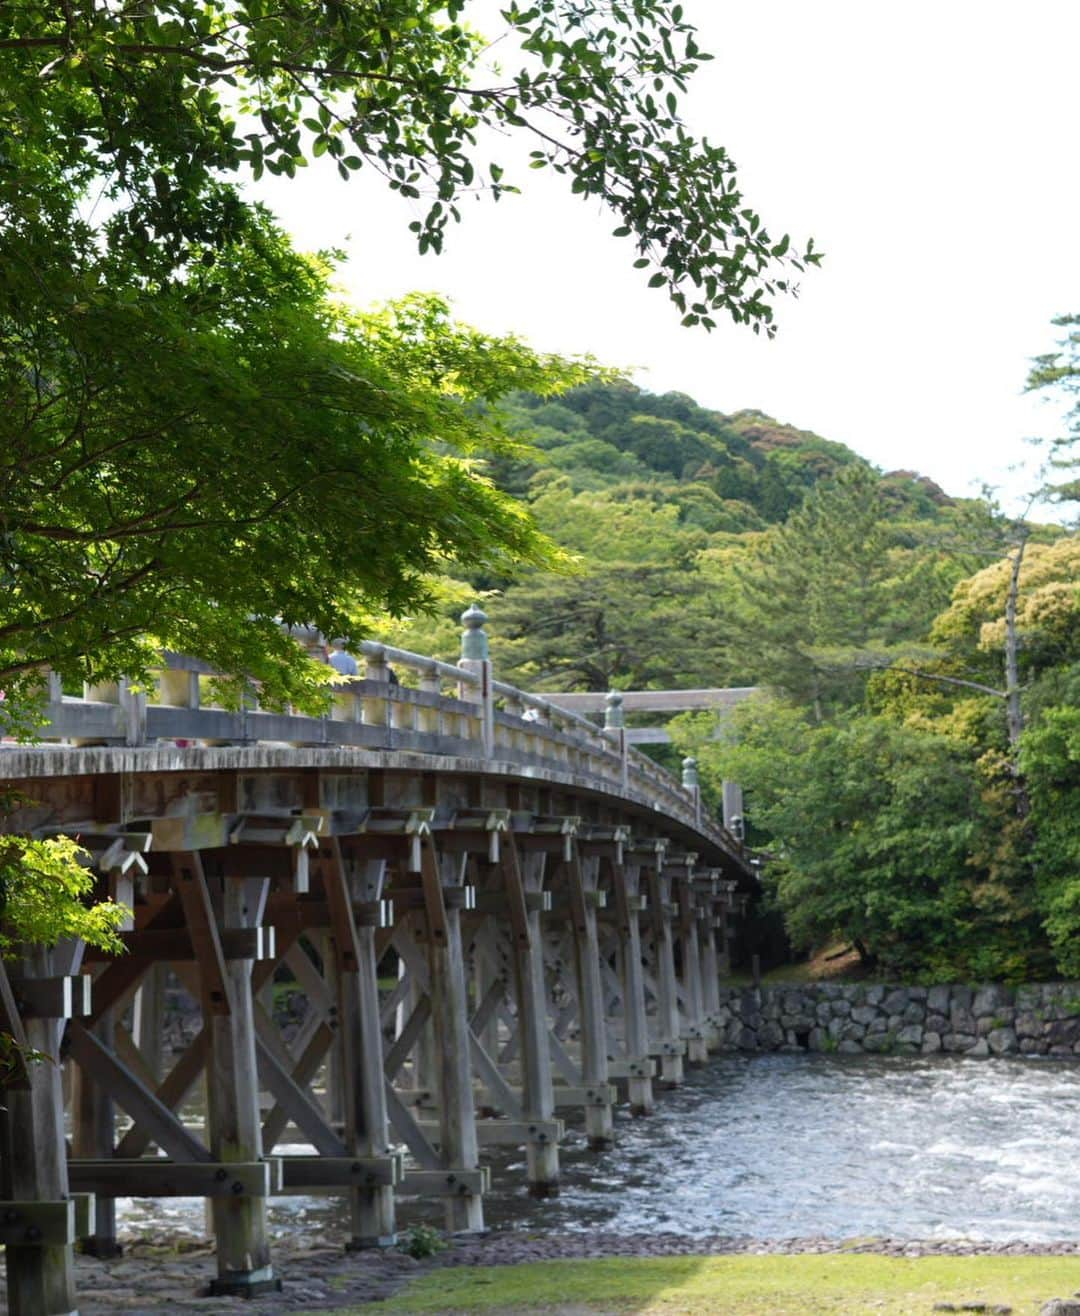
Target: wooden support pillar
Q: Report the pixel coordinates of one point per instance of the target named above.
(33, 1164)
(668, 1022)
(425, 1061)
(697, 1051)
(93, 1138)
(723, 937)
(448, 992)
(372, 1221)
(485, 981)
(626, 883)
(335, 1056)
(710, 975)
(232, 1085)
(524, 878)
(149, 1017)
(582, 880)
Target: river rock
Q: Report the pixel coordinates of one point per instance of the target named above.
(1003, 1018)
(771, 1035)
(875, 995)
(958, 1041)
(896, 1001)
(1060, 1307)
(980, 1049)
(1002, 1041)
(864, 1014)
(849, 1048)
(799, 1023)
(990, 998)
(912, 1035)
(962, 1020)
(931, 1043)
(1063, 1032)
(937, 999)
(879, 1043)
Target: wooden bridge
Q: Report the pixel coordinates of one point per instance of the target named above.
(497, 923)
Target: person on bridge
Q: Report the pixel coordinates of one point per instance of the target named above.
(342, 662)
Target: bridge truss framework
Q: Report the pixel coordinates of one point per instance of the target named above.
(557, 914)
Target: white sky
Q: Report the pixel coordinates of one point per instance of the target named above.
(930, 149)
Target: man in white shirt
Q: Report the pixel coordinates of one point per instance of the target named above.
(343, 663)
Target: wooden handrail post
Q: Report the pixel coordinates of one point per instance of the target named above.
(692, 785)
(615, 730)
(476, 658)
(733, 809)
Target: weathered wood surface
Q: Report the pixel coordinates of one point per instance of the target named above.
(513, 879)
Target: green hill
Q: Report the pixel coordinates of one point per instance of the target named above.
(660, 501)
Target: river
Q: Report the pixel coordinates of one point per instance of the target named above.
(785, 1146)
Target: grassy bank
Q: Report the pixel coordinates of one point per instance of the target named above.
(842, 1285)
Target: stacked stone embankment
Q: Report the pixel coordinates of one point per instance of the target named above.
(1034, 1019)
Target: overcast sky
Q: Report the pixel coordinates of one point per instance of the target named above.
(930, 150)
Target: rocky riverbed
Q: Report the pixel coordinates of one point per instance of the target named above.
(155, 1275)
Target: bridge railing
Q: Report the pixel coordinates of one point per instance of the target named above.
(402, 701)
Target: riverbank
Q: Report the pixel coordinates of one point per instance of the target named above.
(600, 1272)
(992, 1019)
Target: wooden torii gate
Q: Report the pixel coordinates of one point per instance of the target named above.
(553, 909)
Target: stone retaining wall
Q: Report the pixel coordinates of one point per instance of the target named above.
(1040, 1019)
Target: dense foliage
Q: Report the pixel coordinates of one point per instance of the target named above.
(906, 805)
(191, 464)
(158, 107)
(697, 536)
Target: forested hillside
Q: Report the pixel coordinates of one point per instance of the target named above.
(662, 504)
(913, 763)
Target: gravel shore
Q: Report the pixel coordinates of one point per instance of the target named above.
(158, 1274)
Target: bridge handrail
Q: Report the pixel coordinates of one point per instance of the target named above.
(478, 717)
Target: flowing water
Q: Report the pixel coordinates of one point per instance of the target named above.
(789, 1146)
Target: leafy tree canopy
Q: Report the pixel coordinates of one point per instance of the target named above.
(159, 106)
(190, 464)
